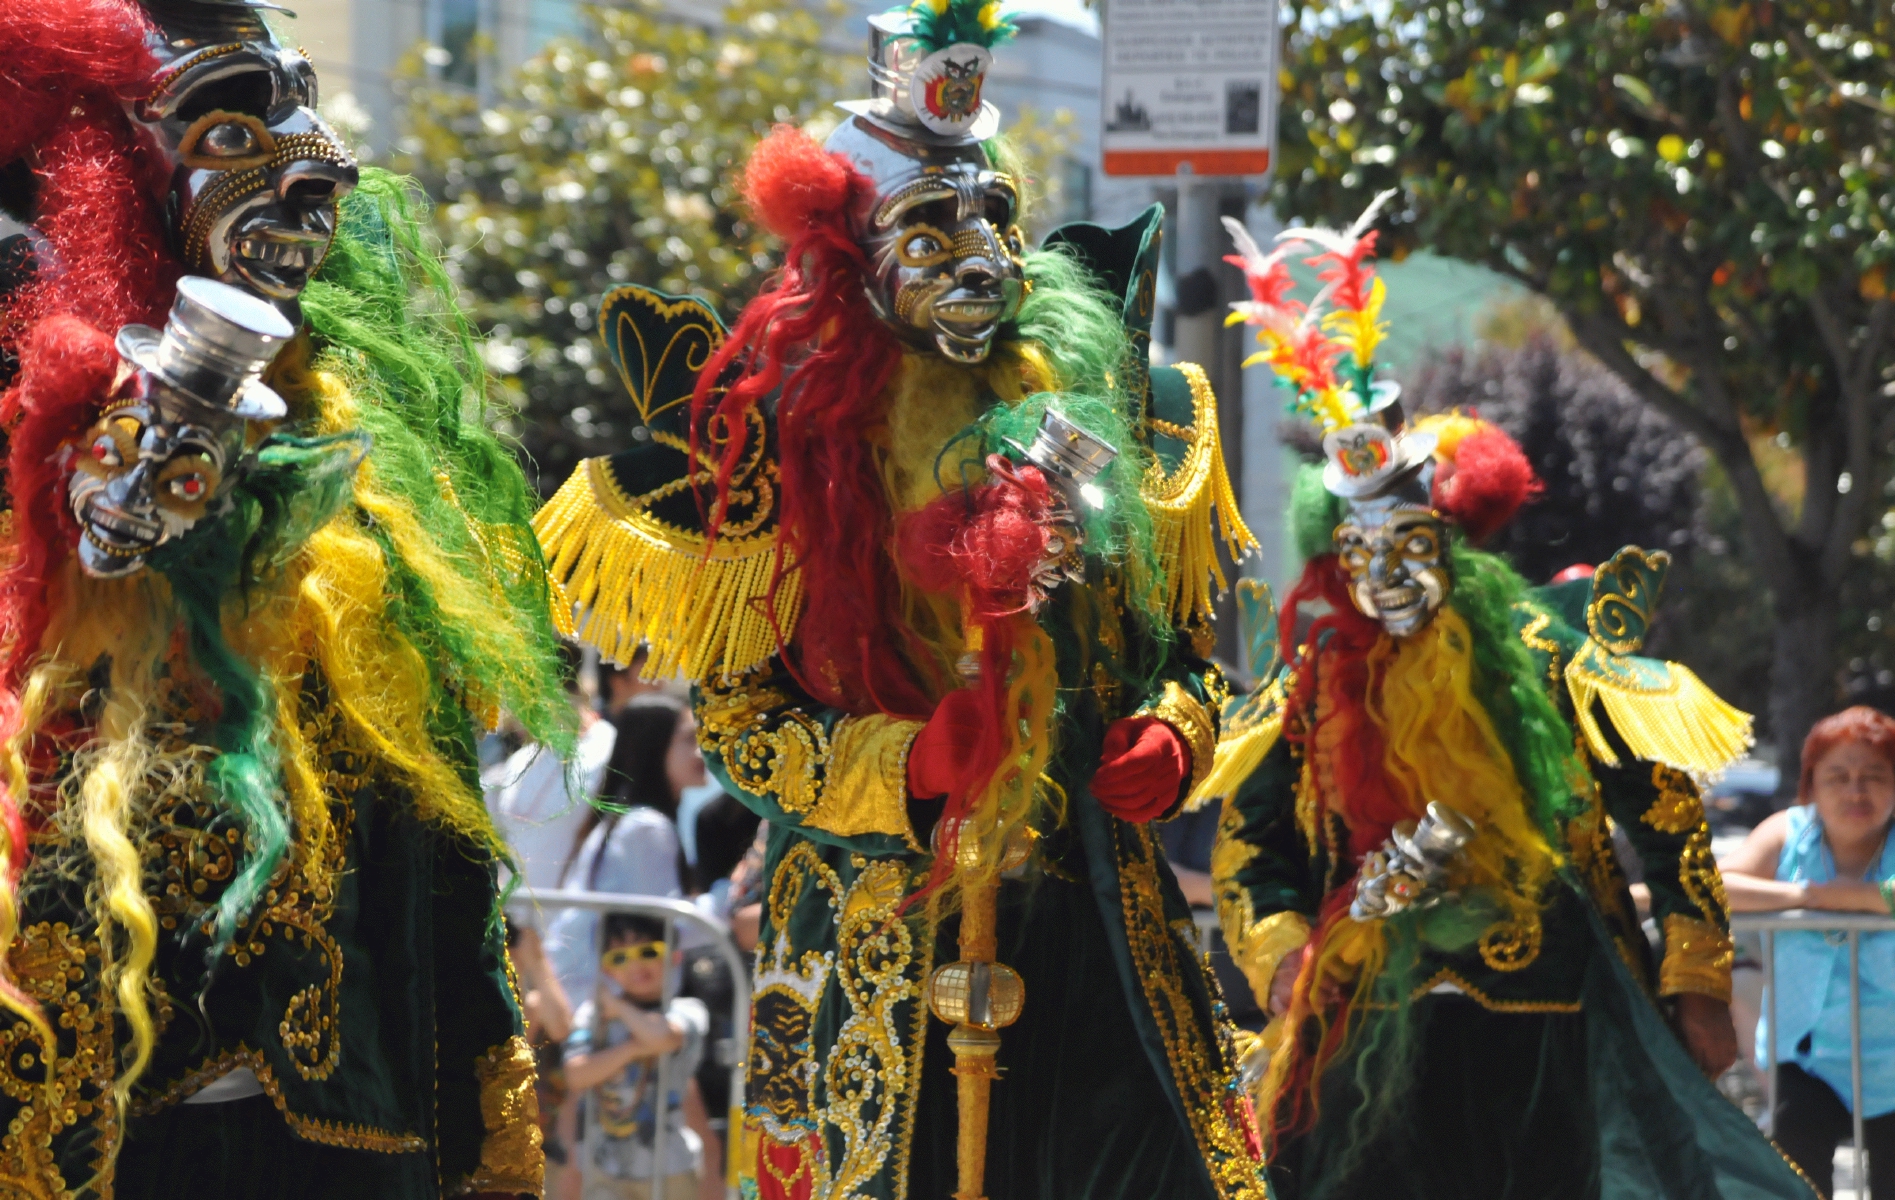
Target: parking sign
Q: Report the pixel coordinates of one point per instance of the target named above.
(1190, 82)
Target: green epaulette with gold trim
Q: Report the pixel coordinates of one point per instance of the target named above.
(1187, 488)
(624, 537)
(1661, 710)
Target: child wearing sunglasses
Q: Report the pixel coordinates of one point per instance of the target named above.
(619, 1038)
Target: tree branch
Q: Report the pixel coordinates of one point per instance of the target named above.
(1722, 435)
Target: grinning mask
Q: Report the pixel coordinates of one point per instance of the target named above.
(1391, 541)
(941, 233)
(1396, 555)
(255, 174)
(166, 455)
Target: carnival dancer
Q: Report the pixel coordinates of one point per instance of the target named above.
(266, 576)
(938, 556)
(1415, 867)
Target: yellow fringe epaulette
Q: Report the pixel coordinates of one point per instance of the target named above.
(622, 577)
(1662, 711)
(1251, 727)
(1182, 503)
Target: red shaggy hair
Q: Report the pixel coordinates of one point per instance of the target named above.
(1485, 483)
(811, 339)
(1869, 726)
(70, 69)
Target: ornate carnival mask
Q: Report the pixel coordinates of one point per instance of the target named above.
(1391, 541)
(941, 233)
(1396, 555)
(167, 455)
(255, 174)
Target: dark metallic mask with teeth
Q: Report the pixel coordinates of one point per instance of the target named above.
(941, 232)
(255, 176)
(166, 455)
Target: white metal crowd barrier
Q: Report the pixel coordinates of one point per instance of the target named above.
(1851, 926)
(674, 913)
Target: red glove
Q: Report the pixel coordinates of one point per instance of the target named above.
(1143, 766)
(943, 746)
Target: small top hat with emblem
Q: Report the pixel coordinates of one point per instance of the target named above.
(213, 349)
(928, 64)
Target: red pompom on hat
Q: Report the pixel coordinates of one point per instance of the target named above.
(1482, 477)
(792, 184)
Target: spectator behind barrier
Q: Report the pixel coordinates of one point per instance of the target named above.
(618, 1040)
(539, 805)
(629, 843)
(1831, 851)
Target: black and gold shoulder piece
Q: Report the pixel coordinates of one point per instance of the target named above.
(624, 537)
(1661, 710)
(1252, 723)
(1187, 485)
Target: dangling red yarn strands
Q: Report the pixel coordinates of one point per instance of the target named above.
(70, 68)
(812, 339)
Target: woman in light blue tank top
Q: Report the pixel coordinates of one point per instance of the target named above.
(1832, 851)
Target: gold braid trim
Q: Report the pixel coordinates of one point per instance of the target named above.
(1256, 946)
(1698, 958)
(1250, 730)
(1182, 503)
(510, 1156)
(310, 1129)
(1664, 712)
(636, 579)
(1201, 1059)
(1453, 978)
(1188, 715)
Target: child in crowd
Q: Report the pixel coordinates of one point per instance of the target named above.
(619, 1039)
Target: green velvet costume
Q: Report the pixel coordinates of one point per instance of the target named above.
(1535, 1065)
(367, 988)
(1118, 1079)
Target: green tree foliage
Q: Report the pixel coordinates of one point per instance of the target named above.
(1615, 472)
(606, 160)
(1700, 187)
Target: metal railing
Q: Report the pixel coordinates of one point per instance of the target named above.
(672, 913)
(1853, 925)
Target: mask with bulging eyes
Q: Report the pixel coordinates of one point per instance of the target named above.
(255, 174)
(941, 237)
(166, 455)
(144, 476)
(1396, 555)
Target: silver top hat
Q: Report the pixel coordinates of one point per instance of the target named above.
(215, 345)
(900, 70)
(1378, 456)
(1071, 457)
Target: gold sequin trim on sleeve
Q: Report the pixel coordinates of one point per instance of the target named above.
(867, 789)
(1257, 945)
(1702, 882)
(510, 1156)
(849, 781)
(1188, 715)
(1698, 958)
(1677, 808)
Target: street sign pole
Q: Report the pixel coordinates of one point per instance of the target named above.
(1190, 92)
